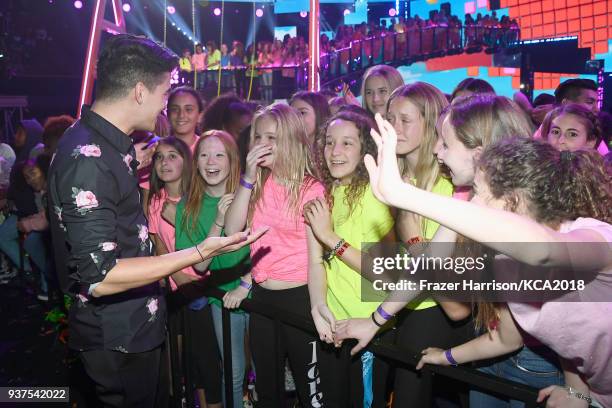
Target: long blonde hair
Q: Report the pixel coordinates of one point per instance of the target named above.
(483, 119)
(294, 167)
(430, 102)
(391, 75)
(480, 120)
(197, 189)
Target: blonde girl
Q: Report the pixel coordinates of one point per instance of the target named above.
(377, 85)
(278, 180)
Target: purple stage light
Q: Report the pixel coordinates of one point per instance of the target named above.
(217, 11)
(127, 7)
(78, 4)
(171, 10)
(303, 14)
(392, 12)
(346, 12)
(259, 13)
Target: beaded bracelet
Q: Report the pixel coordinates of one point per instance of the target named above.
(341, 250)
(329, 255)
(574, 393)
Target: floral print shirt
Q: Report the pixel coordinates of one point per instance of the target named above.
(96, 212)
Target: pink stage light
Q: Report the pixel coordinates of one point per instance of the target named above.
(127, 7)
(347, 12)
(217, 11)
(171, 10)
(392, 12)
(259, 13)
(78, 4)
(303, 14)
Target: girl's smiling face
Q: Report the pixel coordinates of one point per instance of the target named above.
(342, 150)
(213, 161)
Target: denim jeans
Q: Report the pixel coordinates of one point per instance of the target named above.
(525, 367)
(238, 323)
(9, 241)
(36, 247)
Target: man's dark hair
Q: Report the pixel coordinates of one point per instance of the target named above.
(572, 88)
(126, 60)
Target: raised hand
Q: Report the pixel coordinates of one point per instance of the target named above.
(256, 155)
(318, 216)
(222, 207)
(144, 153)
(385, 178)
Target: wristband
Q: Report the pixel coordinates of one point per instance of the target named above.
(414, 240)
(220, 226)
(573, 393)
(343, 248)
(201, 256)
(383, 313)
(246, 285)
(449, 358)
(329, 255)
(374, 320)
(246, 184)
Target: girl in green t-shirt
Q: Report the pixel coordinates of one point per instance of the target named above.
(202, 213)
(337, 290)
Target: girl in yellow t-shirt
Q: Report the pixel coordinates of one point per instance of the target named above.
(337, 289)
(413, 111)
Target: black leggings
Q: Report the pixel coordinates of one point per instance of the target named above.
(270, 347)
(417, 330)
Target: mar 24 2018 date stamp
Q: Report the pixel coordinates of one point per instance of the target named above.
(34, 394)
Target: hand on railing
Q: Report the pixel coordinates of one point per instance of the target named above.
(324, 322)
(432, 355)
(361, 329)
(233, 298)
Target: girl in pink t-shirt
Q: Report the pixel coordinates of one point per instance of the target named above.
(171, 171)
(278, 180)
(547, 190)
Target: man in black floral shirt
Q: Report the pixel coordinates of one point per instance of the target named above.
(118, 321)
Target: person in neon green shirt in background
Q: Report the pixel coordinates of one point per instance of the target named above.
(215, 177)
(213, 61)
(185, 67)
(335, 284)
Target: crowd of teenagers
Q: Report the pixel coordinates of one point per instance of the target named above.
(276, 202)
(250, 71)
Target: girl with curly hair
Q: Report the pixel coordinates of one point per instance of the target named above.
(353, 216)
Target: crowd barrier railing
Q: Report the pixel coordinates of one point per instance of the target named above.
(397, 354)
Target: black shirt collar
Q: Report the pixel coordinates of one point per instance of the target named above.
(107, 130)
